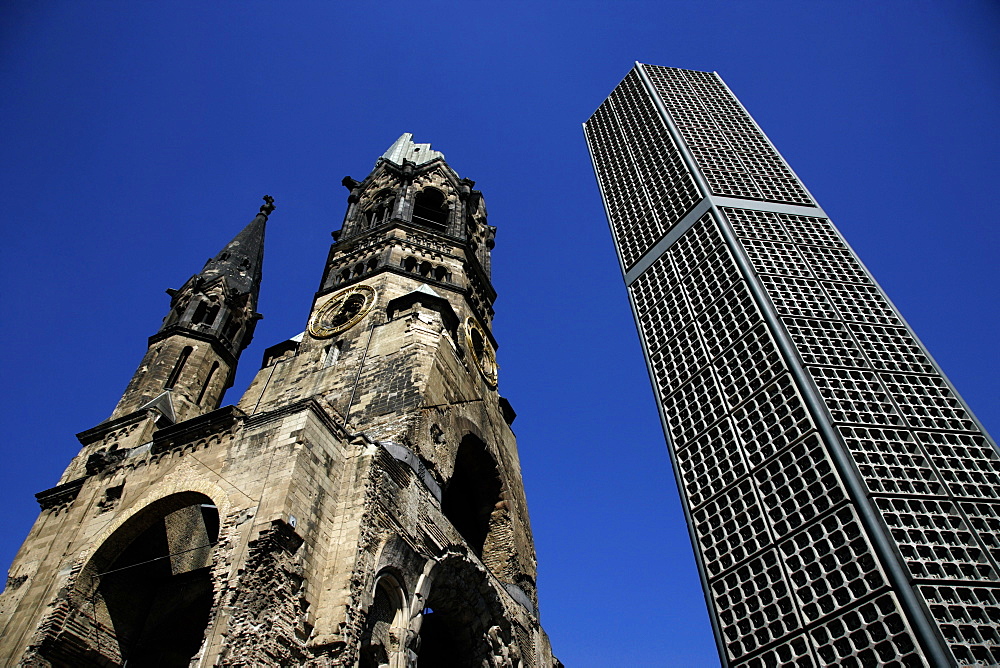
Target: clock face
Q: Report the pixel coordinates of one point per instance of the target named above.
(342, 311)
(482, 351)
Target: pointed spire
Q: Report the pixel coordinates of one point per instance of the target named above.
(240, 262)
(405, 149)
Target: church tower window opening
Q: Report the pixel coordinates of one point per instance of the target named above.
(429, 208)
(472, 493)
(178, 367)
(208, 381)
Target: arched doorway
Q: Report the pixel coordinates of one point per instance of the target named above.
(457, 622)
(472, 493)
(148, 591)
(383, 643)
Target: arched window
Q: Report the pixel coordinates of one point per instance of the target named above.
(425, 268)
(178, 367)
(146, 595)
(208, 381)
(458, 623)
(472, 493)
(213, 313)
(205, 313)
(380, 214)
(441, 274)
(200, 311)
(381, 208)
(385, 622)
(430, 209)
(410, 263)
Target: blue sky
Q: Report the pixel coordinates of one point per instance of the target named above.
(138, 138)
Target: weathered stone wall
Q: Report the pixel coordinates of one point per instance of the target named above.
(339, 482)
(257, 472)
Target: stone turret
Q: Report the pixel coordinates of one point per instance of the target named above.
(191, 360)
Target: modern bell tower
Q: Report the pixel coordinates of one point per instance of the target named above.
(841, 498)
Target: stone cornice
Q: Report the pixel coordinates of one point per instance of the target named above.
(96, 433)
(179, 330)
(60, 495)
(188, 430)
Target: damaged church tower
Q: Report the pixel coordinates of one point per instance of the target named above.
(362, 504)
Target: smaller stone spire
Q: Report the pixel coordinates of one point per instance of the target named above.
(241, 261)
(192, 360)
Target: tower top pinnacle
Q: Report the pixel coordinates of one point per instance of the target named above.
(241, 260)
(405, 149)
(268, 206)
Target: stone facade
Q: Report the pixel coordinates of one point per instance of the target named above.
(361, 505)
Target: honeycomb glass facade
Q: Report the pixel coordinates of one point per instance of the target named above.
(843, 502)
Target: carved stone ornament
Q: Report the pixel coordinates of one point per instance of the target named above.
(342, 311)
(482, 351)
(268, 205)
